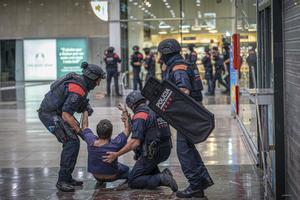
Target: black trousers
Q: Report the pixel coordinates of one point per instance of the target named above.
(70, 147)
(136, 78)
(112, 73)
(145, 173)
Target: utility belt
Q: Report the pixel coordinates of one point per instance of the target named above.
(62, 130)
(150, 150)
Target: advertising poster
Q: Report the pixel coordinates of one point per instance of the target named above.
(233, 83)
(39, 60)
(70, 54)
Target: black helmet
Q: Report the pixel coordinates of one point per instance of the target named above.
(135, 48)
(134, 98)
(206, 49)
(110, 49)
(92, 71)
(191, 46)
(169, 46)
(146, 50)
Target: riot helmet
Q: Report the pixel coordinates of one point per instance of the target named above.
(146, 50)
(92, 71)
(134, 98)
(135, 48)
(191, 47)
(110, 49)
(169, 46)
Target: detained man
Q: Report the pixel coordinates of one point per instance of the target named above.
(99, 145)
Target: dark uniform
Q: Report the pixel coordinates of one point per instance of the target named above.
(136, 60)
(206, 61)
(219, 69)
(226, 57)
(111, 60)
(155, 146)
(192, 56)
(149, 63)
(190, 160)
(68, 94)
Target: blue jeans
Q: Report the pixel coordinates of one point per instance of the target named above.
(191, 163)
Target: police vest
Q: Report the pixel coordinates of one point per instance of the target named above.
(55, 99)
(111, 60)
(194, 77)
(157, 129)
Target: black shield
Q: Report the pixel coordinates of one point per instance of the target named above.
(180, 110)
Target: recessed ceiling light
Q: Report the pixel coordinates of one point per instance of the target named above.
(135, 3)
(164, 0)
(168, 6)
(198, 5)
(140, 6)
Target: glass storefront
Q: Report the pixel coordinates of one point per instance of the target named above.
(201, 22)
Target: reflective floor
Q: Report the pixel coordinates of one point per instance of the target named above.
(29, 155)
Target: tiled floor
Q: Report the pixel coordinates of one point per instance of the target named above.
(29, 155)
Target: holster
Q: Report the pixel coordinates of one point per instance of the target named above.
(63, 131)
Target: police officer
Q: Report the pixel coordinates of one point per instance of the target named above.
(191, 57)
(219, 69)
(151, 141)
(136, 63)
(226, 62)
(206, 61)
(179, 73)
(111, 60)
(68, 95)
(149, 63)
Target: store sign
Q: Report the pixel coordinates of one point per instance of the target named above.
(100, 9)
(39, 60)
(234, 88)
(70, 54)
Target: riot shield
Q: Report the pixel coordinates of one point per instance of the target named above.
(180, 110)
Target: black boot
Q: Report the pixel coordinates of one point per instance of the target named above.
(167, 180)
(167, 171)
(64, 186)
(76, 183)
(189, 193)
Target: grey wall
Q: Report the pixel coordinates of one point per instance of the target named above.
(291, 30)
(49, 18)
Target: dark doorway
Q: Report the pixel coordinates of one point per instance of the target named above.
(8, 60)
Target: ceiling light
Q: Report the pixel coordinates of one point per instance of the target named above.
(142, 8)
(163, 25)
(135, 3)
(164, 0)
(168, 6)
(213, 31)
(198, 5)
(162, 32)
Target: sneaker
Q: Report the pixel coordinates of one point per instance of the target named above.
(167, 180)
(76, 183)
(64, 186)
(189, 193)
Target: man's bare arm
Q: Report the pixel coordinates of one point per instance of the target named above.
(71, 121)
(85, 120)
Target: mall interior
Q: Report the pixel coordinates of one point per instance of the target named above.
(253, 151)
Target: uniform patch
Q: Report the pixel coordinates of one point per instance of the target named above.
(76, 89)
(179, 67)
(140, 115)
